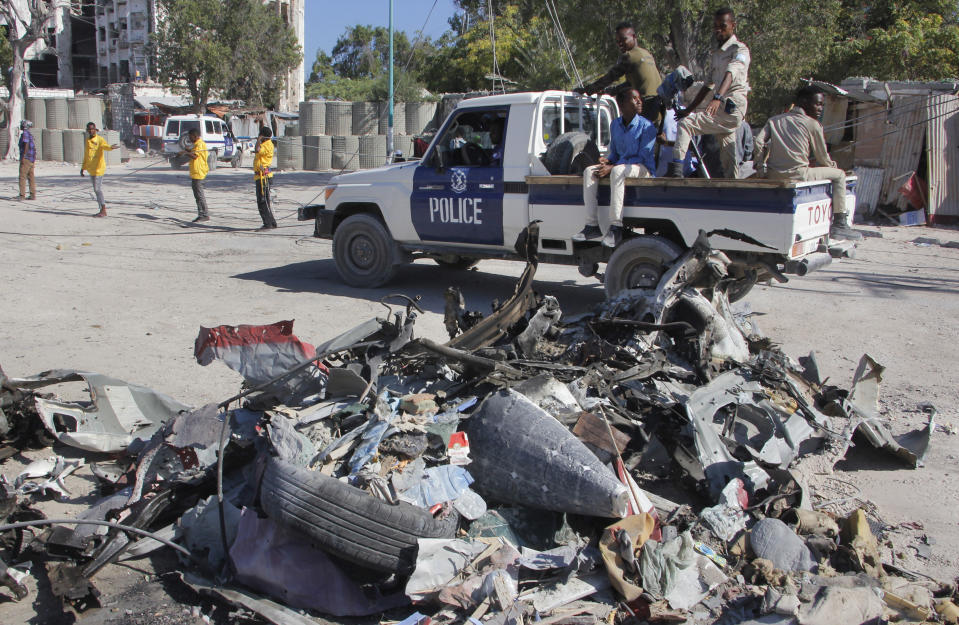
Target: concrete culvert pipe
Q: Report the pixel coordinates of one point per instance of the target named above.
(372, 151)
(339, 118)
(52, 144)
(81, 111)
(73, 145)
(399, 118)
(364, 118)
(317, 153)
(289, 153)
(324, 157)
(312, 119)
(37, 141)
(345, 148)
(113, 138)
(36, 111)
(403, 144)
(57, 113)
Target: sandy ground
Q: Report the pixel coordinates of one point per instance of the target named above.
(126, 295)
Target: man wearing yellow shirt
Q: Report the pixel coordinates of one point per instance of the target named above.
(199, 168)
(95, 164)
(262, 176)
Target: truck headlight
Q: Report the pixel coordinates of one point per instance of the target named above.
(328, 191)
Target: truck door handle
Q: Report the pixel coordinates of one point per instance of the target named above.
(431, 187)
(486, 186)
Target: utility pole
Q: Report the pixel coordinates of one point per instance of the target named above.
(389, 119)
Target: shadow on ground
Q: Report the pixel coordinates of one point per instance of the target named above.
(479, 287)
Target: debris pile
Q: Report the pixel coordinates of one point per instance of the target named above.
(642, 463)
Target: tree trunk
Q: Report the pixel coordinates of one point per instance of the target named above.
(16, 99)
(42, 14)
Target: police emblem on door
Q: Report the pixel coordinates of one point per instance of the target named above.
(458, 180)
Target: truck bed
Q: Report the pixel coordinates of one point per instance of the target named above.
(788, 217)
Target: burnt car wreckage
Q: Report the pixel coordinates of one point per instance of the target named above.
(524, 470)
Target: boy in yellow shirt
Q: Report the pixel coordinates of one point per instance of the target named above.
(262, 176)
(95, 164)
(199, 168)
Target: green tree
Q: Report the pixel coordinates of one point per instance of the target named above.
(236, 47)
(263, 48)
(916, 41)
(364, 51)
(527, 54)
(358, 68)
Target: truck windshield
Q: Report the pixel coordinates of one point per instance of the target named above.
(574, 114)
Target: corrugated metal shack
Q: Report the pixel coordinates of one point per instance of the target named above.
(888, 131)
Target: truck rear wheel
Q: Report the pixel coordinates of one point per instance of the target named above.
(363, 251)
(639, 263)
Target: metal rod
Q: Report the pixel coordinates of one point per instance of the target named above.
(126, 528)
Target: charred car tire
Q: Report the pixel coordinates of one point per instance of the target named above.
(459, 263)
(348, 522)
(739, 289)
(639, 262)
(363, 251)
(571, 153)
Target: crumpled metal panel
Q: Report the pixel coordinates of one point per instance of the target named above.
(719, 465)
(119, 414)
(523, 455)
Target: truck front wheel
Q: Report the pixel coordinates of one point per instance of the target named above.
(639, 263)
(363, 251)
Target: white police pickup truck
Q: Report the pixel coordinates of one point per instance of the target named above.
(501, 162)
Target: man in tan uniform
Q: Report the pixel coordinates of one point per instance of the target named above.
(729, 84)
(639, 67)
(783, 148)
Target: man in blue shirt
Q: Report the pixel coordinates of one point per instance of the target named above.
(28, 156)
(631, 148)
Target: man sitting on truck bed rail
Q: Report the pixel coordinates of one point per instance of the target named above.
(782, 153)
(729, 68)
(639, 67)
(631, 144)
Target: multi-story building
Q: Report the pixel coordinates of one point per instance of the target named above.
(121, 32)
(123, 38)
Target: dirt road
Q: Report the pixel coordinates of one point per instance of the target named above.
(126, 295)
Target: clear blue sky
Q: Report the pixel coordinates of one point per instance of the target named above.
(326, 20)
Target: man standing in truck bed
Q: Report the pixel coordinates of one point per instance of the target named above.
(729, 68)
(639, 67)
(782, 153)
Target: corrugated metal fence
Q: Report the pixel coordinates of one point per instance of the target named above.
(942, 152)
